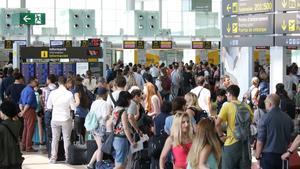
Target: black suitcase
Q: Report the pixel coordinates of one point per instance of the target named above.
(60, 152)
(138, 164)
(77, 154)
(91, 146)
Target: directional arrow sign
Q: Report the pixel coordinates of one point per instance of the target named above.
(287, 23)
(247, 6)
(259, 24)
(29, 18)
(287, 5)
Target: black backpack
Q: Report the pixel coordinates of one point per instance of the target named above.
(199, 114)
(156, 145)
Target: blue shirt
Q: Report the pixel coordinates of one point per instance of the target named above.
(274, 130)
(169, 122)
(28, 97)
(159, 122)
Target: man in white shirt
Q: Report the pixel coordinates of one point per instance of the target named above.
(138, 78)
(154, 71)
(61, 101)
(203, 95)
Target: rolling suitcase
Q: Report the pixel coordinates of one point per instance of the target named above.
(77, 154)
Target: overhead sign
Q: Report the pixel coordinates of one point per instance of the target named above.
(248, 41)
(203, 5)
(201, 45)
(29, 18)
(8, 44)
(287, 23)
(248, 25)
(162, 44)
(67, 43)
(133, 44)
(235, 7)
(287, 5)
(84, 43)
(58, 53)
(96, 42)
(287, 41)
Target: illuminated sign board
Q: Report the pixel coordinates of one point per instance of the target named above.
(287, 5)
(58, 53)
(162, 44)
(94, 42)
(8, 44)
(234, 7)
(133, 44)
(248, 25)
(201, 45)
(84, 43)
(287, 23)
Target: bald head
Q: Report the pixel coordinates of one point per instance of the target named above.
(272, 100)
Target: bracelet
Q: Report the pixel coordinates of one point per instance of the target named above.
(289, 151)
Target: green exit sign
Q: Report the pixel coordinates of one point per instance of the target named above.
(30, 18)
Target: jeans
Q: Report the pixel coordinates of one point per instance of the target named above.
(121, 146)
(236, 156)
(57, 127)
(271, 161)
(29, 121)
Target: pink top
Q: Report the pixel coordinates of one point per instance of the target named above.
(180, 153)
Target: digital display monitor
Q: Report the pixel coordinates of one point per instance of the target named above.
(56, 69)
(28, 70)
(94, 42)
(56, 43)
(42, 71)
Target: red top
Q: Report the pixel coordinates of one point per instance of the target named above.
(180, 153)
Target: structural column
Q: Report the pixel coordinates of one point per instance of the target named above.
(278, 62)
(130, 5)
(238, 64)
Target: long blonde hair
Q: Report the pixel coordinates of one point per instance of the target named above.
(194, 99)
(205, 135)
(176, 129)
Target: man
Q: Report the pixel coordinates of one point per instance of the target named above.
(48, 112)
(133, 110)
(236, 153)
(274, 134)
(61, 101)
(138, 78)
(121, 83)
(7, 81)
(175, 78)
(101, 83)
(27, 105)
(13, 92)
(203, 95)
(154, 71)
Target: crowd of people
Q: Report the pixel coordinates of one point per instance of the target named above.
(192, 115)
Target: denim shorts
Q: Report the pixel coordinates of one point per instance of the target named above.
(121, 146)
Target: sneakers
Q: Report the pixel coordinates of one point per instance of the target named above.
(52, 161)
(89, 166)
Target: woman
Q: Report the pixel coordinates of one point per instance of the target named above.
(89, 81)
(152, 101)
(286, 104)
(179, 142)
(205, 152)
(122, 134)
(82, 108)
(252, 94)
(192, 107)
(159, 121)
(102, 110)
(131, 83)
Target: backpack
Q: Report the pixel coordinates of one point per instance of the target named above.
(156, 145)
(199, 114)
(242, 122)
(91, 121)
(91, 97)
(166, 83)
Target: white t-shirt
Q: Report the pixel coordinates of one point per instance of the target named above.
(203, 97)
(61, 101)
(289, 81)
(154, 71)
(90, 86)
(115, 95)
(102, 109)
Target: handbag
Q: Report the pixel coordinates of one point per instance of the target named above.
(105, 164)
(91, 121)
(107, 146)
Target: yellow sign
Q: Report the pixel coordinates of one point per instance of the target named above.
(228, 8)
(292, 25)
(235, 7)
(8, 44)
(283, 25)
(44, 54)
(235, 28)
(92, 60)
(284, 3)
(228, 28)
(292, 4)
